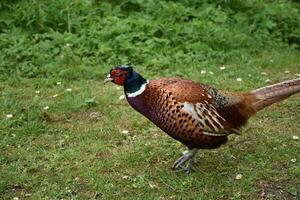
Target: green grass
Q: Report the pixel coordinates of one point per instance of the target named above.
(76, 149)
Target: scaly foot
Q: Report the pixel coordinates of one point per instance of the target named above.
(189, 156)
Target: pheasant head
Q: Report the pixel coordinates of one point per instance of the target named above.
(120, 74)
(134, 84)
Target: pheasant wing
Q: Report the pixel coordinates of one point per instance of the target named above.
(197, 102)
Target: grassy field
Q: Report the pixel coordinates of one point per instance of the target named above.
(66, 135)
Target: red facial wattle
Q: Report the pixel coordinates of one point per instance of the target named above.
(118, 76)
(120, 80)
(113, 72)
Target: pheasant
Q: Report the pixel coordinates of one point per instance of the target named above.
(197, 115)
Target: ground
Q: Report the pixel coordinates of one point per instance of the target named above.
(66, 135)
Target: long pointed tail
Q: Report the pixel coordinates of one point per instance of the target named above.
(271, 94)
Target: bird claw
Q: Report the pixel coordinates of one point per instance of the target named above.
(189, 156)
(187, 169)
(178, 163)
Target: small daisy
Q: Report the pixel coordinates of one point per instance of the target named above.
(8, 116)
(69, 89)
(37, 91)
(239, 79)
(222, 68)
(238, 176)
(211, 73)
(203, 72)
(54, 96)
(263, 73)
(267, 80)
(125, 131)
(46, 108)
(125, 177)
(58, 83)
(122, 97)
(295, 137)
(293, 160)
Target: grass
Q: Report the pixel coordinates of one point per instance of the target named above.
(76, 149)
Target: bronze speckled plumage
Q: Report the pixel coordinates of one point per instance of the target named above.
(199, 116)
(165, 98)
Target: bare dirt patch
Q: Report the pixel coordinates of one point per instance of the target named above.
(274, 191)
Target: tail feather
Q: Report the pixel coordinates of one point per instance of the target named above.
(271, 94)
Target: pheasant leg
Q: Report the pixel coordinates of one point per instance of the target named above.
(187, 157)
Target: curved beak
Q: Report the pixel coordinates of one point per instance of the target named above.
(108, 79)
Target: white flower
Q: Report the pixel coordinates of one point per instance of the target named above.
(239, 79)
(46, 108)
(8, 116)
(118, 88)
(295, 137)
(122, 97)
(222, 68)
(68, 45)
(37, 92)
(16, 198)
(211, 73)
(267, 80)
(263, 73)
(56, 95)
(297, 75)
(293, 160)
(58, 83)
(69, 89)
(125, 177)
(238, 176)
(286, 71)
(125, 131)
(203, 72)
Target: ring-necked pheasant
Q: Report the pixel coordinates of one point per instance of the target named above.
(197, 115)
